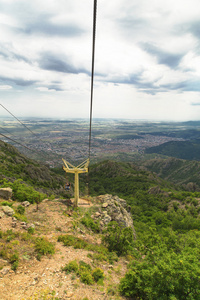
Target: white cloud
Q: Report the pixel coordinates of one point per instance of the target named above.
(147, 58)
(5, 87)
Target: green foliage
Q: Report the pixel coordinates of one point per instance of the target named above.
(123, 179)
(20, 217)
(23, 192)
(31, 230)
(97, 274)
(84, 271)
(6, 203)
(118, 239)
(86, 277)
(15, 165)
(71, 266)
(70, 240)
(89, 223)
(44, 247)
(20, 209)
(163, 275)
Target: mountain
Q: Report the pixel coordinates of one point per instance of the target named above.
(52, 251)
(177, 171)
(14, 165)
(121, 178)
(180, 149)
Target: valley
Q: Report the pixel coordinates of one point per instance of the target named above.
(50, 140)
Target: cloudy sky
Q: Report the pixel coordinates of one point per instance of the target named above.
(147, 63)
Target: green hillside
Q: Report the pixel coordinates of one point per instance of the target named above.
(14, 165)
(164, 258)
(122, 179)
(178, 171)
(184, 149)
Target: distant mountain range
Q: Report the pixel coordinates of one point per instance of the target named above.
(180, 149)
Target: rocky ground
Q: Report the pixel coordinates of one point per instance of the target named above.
(44, 279)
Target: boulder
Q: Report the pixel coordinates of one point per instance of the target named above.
(6, 193)
(114, 209)
(25, 203)
(1, 214)
(8, 210)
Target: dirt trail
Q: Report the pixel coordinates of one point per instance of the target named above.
(38, 279)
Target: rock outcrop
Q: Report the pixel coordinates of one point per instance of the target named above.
(8, 210)
(113, 208)
(6, 193)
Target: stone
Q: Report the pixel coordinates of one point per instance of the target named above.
(97, 214)
(5, 271)
(6, 193)
(107, 219)
(115, 209)
(25, 203)
(31, 226)
(1, 214)
(69, 294)
(8, 210)
(23, 223)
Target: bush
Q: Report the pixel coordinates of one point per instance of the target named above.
(14, 259)
(6, 203)
(118, 239)
(163, 275)
(44, 247)
(89, 223)
(97, 274)
(31, 230)
(71, 266)
(86, 277)
(20, 209)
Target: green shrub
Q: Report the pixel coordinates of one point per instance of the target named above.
(97, 274)
(20, 209)
(84, 266)
(20, 217)
(14, 259)
(71, 266)
(86, 277)
(70, 240)
(44, 247)
(89, 223)
(6, 203)
(15, 265)
(163, 275)
(119, 240)
(31, 230)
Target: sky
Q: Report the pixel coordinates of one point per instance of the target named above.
(147, 59)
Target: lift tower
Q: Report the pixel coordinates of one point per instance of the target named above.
(82, 168)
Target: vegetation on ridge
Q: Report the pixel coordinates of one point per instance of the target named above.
(165, 256)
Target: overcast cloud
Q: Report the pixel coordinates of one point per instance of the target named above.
(147, 63)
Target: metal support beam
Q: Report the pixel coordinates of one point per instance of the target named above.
(82, 168)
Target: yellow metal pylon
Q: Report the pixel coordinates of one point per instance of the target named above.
(82, 168)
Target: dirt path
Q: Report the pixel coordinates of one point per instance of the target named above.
(39, 279)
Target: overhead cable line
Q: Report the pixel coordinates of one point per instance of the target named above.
(24, 146)
(92, 72)
(7, 131)
(22, 125)
(19, 120)
(16, 142)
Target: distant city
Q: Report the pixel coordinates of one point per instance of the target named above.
(50, 140)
